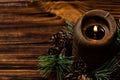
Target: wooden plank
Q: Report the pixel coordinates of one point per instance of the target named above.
(7, 18)
(25, 33)
(25, 48)
(33, 73)
(14, 3)
(20, 10)
(18, 37)
(10, 0)
(21, 78)
(80, 7)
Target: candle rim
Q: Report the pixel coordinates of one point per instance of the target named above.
(111, 31)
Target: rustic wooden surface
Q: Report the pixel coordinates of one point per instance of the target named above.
(25, 31)
(72, 10)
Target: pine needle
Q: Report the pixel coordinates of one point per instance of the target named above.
(60, 64)
(104, 72)
(70, 26)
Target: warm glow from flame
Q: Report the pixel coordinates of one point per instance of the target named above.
(95, 29)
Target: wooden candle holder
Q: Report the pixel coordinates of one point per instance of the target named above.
(95, 52)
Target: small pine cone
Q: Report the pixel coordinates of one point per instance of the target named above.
(80, 66)
(54, 50)
(61, 40)
(71, 76)
(69, 36)
(84, 77)
(55, 39)
(68, 39)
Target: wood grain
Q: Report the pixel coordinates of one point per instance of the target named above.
(25, 32)
(78, 8)
(26, 28)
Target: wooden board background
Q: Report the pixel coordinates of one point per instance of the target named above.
(26, 28)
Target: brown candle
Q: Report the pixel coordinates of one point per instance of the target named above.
(94, 38)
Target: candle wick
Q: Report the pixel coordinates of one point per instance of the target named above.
(95, 36)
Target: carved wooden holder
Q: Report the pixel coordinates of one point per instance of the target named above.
(95, 47)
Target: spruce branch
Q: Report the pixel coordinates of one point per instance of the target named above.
(58, 63)
(70, 27)
(104, 72)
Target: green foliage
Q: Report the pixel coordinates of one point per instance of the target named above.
(58, 64)
(104, 72)
(70, 26)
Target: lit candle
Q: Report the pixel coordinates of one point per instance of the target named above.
(95, 29)
(95, 32)
(94, 39)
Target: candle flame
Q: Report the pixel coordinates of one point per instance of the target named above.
(95, 29)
